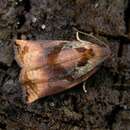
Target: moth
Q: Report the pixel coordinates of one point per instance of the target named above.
(52, 66)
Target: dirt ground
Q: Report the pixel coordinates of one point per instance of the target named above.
(106, 105)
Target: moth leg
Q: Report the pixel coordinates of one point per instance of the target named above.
(84, 87)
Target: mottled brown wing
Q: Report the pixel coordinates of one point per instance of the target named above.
(49, 67)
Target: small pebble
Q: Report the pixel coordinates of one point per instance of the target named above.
(18, 23)
(16, 3)
(52, 104)
(125, 107)
(34, 19)
(43, 26)
(76, 128)
(96, 5)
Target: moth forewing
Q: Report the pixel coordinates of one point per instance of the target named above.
(52, 66)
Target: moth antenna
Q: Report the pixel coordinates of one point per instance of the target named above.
(78, 38)
(89, 35)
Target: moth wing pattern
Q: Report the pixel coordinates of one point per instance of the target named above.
(51, 66)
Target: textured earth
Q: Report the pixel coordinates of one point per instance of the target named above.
(106, 104)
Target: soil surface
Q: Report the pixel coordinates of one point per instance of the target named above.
(106, 105)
